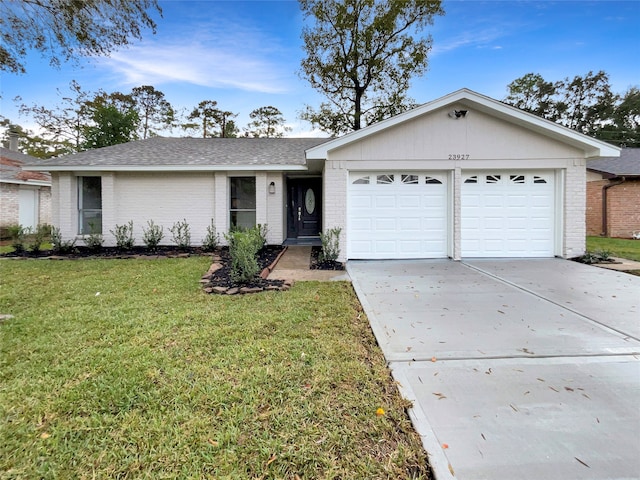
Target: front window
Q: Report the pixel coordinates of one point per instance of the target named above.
(89, 205)
(243, 202)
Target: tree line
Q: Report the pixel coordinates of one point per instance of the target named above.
(84, 120)
(583, 103)
(360, 54)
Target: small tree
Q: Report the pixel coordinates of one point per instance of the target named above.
(154, 111)
(267, 122)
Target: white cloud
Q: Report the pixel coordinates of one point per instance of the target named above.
(198, 64)
(476, 39)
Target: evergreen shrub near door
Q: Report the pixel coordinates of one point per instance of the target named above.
(244, 246)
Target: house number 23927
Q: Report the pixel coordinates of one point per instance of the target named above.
(458, 156)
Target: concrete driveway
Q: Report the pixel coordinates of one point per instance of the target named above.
(518, 369)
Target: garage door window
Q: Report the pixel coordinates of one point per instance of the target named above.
(385, 179)
(410, 179)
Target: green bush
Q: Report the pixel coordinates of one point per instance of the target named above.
(153, 235)
(244, 246)
(181, 233)
(18, 237)
(94, 240)
(124, 236)
(58, 244)
(211, 239)
(37, 238)
(330, 245)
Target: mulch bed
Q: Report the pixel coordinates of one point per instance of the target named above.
(218, 278)
(111, 252)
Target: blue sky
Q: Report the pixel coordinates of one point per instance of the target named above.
(245, 54)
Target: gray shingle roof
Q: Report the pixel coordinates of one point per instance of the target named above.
(162, 151)
(627, 165)
(11, 170)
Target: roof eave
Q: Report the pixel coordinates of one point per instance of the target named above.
(35, 183)
(167, 168)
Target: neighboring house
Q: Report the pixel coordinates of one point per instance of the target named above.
(613, 195)
(462, 176)
(25, 196)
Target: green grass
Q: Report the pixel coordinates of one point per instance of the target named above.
(617, 247)
(126, 369)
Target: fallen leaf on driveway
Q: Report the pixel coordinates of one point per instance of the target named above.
(439, 395)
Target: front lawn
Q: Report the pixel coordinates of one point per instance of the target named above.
(126, 369)
(617, 247)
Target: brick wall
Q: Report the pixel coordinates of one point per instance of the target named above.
(594, 207)
(44, 205)
(623, 208)
(623, 204)
(9, 204)
(574, 210)
(335, 200)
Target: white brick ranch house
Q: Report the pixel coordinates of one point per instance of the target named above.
(461, 176)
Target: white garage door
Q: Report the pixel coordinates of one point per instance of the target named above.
(397, 215)
(508, 214)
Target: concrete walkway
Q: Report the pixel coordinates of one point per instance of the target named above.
(294, 265)
(517, 369)
(620, 264)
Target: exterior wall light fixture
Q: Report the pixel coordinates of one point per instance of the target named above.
(458, 114)
(272, 187)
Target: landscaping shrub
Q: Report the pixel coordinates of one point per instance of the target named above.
(124, 236)
(18, 237)
(244, 246)
(211, 239)
(153, 235)
(330, 245)
(59, 245)
(36, 239)
(181, 233)
(94, 240)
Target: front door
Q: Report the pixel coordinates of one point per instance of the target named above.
(304, 202)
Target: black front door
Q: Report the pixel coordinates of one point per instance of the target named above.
(304, 204)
